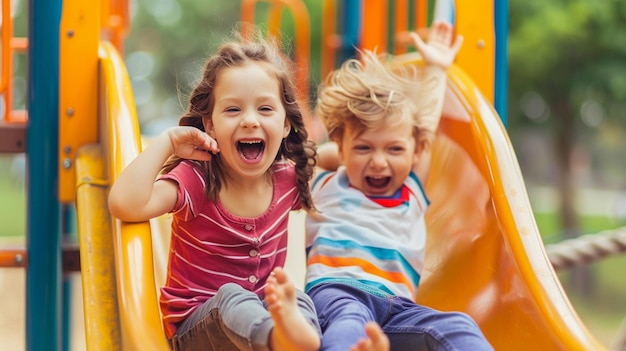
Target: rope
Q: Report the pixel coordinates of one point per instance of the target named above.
(587, 248)
(619, 344)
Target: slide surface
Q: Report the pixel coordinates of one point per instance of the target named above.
(484, 254)
(126, 252)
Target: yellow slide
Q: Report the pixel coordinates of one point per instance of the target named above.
(484, 254)
(119, 261)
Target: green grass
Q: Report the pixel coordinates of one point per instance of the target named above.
(552, 232)
(12, 202)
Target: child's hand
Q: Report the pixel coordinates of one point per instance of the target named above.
(192, 143)
(441, 48)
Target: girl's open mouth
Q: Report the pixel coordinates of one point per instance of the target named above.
(251, 149)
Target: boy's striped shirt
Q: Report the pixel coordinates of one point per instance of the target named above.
(366, 242)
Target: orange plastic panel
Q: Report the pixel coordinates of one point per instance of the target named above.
(374, 25)
(78, 87)
(474, 19)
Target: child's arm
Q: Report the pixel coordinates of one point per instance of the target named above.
(135, 196)
(438, 54)
(328, 156)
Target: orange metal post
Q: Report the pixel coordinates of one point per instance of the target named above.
(274, 17)
(474, 19)
(421, 14)
(12, 257)
(302, 35)
(374, 32)
(331, 41)
(12, 124)
(7, 58)
(78, 86)
(248, 8)
(115, 20)
(401, 25)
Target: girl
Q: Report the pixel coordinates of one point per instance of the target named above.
(230, 173)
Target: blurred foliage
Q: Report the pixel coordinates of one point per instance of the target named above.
(568, 52)
(174, 38)
(566, 66)
(567, 63)
(575, 48)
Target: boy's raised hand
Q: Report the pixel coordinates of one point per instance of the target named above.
(441, 46)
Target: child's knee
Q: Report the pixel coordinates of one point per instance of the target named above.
(459, 320)
(232, 295)
(465, 319)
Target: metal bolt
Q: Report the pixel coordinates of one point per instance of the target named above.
(67, 163)
(70, 33)
(69, 112)
(480, 44)
(67, 149)
(19, 259)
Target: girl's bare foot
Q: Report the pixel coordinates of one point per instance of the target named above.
(376, 340)
(291, 330)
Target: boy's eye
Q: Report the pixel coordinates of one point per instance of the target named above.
(361, 147)
(397, 149)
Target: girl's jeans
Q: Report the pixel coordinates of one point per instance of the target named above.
(343, 310)
(234, 319)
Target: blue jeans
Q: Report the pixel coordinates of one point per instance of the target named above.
(343, 310)
(234, 319)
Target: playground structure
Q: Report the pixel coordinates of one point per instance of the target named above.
(485, 255)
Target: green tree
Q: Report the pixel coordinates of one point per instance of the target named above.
(166, 48)
(170, 39)
(572, 56)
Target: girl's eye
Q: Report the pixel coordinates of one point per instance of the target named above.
(397, 149)
(232, 109)
(266, 108)
(361, 147)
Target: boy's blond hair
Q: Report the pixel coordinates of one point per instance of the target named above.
(373, 92)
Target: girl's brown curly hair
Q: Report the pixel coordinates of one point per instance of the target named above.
(295, 147)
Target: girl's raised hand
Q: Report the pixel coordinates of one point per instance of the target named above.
(441, 46)
(192, 143)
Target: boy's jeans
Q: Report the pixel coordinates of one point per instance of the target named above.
(343, 310)
(234, 319)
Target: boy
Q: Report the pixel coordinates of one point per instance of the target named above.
(365, 246)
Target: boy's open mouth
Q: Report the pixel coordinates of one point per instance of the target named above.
(251, 149)
(378, 182)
